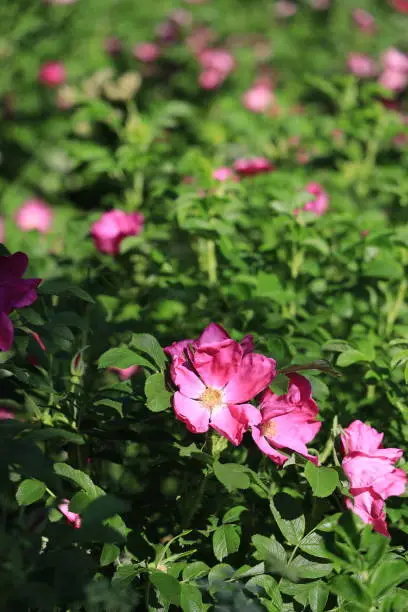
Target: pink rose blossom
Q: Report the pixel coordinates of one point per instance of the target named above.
(224, 174)
(252, 166)
(210, 79)
(126, 373)
(364, 21)
(2, 231)
(6, 414)
(371, 472)
(147, 52)
(112, 227)
(400, 5)
(284, 421)
(217, 64)
(215, 375)
(285, 8)
(393, 59)
(320, 202)
(361, 65)
(199, 39)
(73, 518)
(258, 98)
(15, 292)
(52, 74)
(394, 80)
(395, 73)
(35, 215)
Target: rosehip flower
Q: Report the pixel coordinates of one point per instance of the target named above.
(217, 64)
(361, 65)
(224, 174)
(147, 52)
(371, 472)
(320, 202)
(126, 373)
(73, 518)
(400, 5)
(52, 74)
(15, 292)
(35, 215)
(284, 421)
(215, 374)
(258, 98)
(364, 21)
(2, 231)
(252, 166)
(112, 227)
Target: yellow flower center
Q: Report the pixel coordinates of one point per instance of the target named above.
(269, 429)
(211, 398)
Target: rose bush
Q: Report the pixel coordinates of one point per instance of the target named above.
(203, 306)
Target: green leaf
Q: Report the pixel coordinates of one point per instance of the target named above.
(313, 544)
(349, 357)
(323, 480)
(271, 588)
(167, 586)
(190, 599)
(232, 515)
(157, 396)
(148, 344)
(125, 574)
(195, 570)
(81, 479)
(352, 590)
(58, 286)
(51, 433)
(232, 475)
(388, 575)
(226, 541)
(30, 491)
(122, 357)
(318, 596)
(102, 508)
(310, 569)
(287, 512)
(268, 548)
(109, 554)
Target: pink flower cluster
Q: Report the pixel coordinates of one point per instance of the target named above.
(216, 65)
(371, 472)
(394, 75)
(112, 227)
(15, 292)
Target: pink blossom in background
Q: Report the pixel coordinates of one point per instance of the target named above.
(147, 52)
(400, 5)
(112, 227)
(216, 64)
(2, 231)
(252, 166)
(182, 17)
(199, 39)
(215, 375)
(364, 21)
(394, 80)
(112, 45)
(361, 65)
(285, 8)
(371, 472)
(395, 73)
(6, 414)
(320, 5)
(259, 97)
(35, 215)
(210, 79)
(15, 292)
(224, 174)
(60, 1)
(284, 421)
(320, 202)
(73, 518)
(126, 373)
(52, 74)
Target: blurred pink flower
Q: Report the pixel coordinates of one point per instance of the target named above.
(395, 73)
(217, 64)
(15, 292)
(224, 174)
(52, 74)
(252, 166)
(73, 518)
(112, 45)
(147, 52)
(2, 231)
(35, 215)
(112, 227)
(394, 80)
(182, 17)
(126, 373)
(361, 65)
(285, 8)
(60, 1)
(320, 5)
(370, 470)
(320, 202)
(199, 39)
(210, 79)
(364, 21)
(258, 98)
(6, 414)
(400, 5)
(284, 421)
(215, 374)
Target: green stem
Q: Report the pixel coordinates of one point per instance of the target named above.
(398, 304)
(211, 262)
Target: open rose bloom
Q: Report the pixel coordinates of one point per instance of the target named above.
(217, 65)
(216, 377)
(372, 474)
(259, 97)
(52, 74)
(15, 292)
(112, 227)
(395, 70)
(252, 166)
(35, 215)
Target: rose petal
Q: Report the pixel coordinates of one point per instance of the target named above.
(254, 374)
(195, 416)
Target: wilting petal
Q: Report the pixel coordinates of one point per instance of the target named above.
(195, 416)
(254, 374)
(6, 332)
(223, 421)
(213, 334)
(217, 363)
(266, 448)
(186, 379)
(370, 510)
